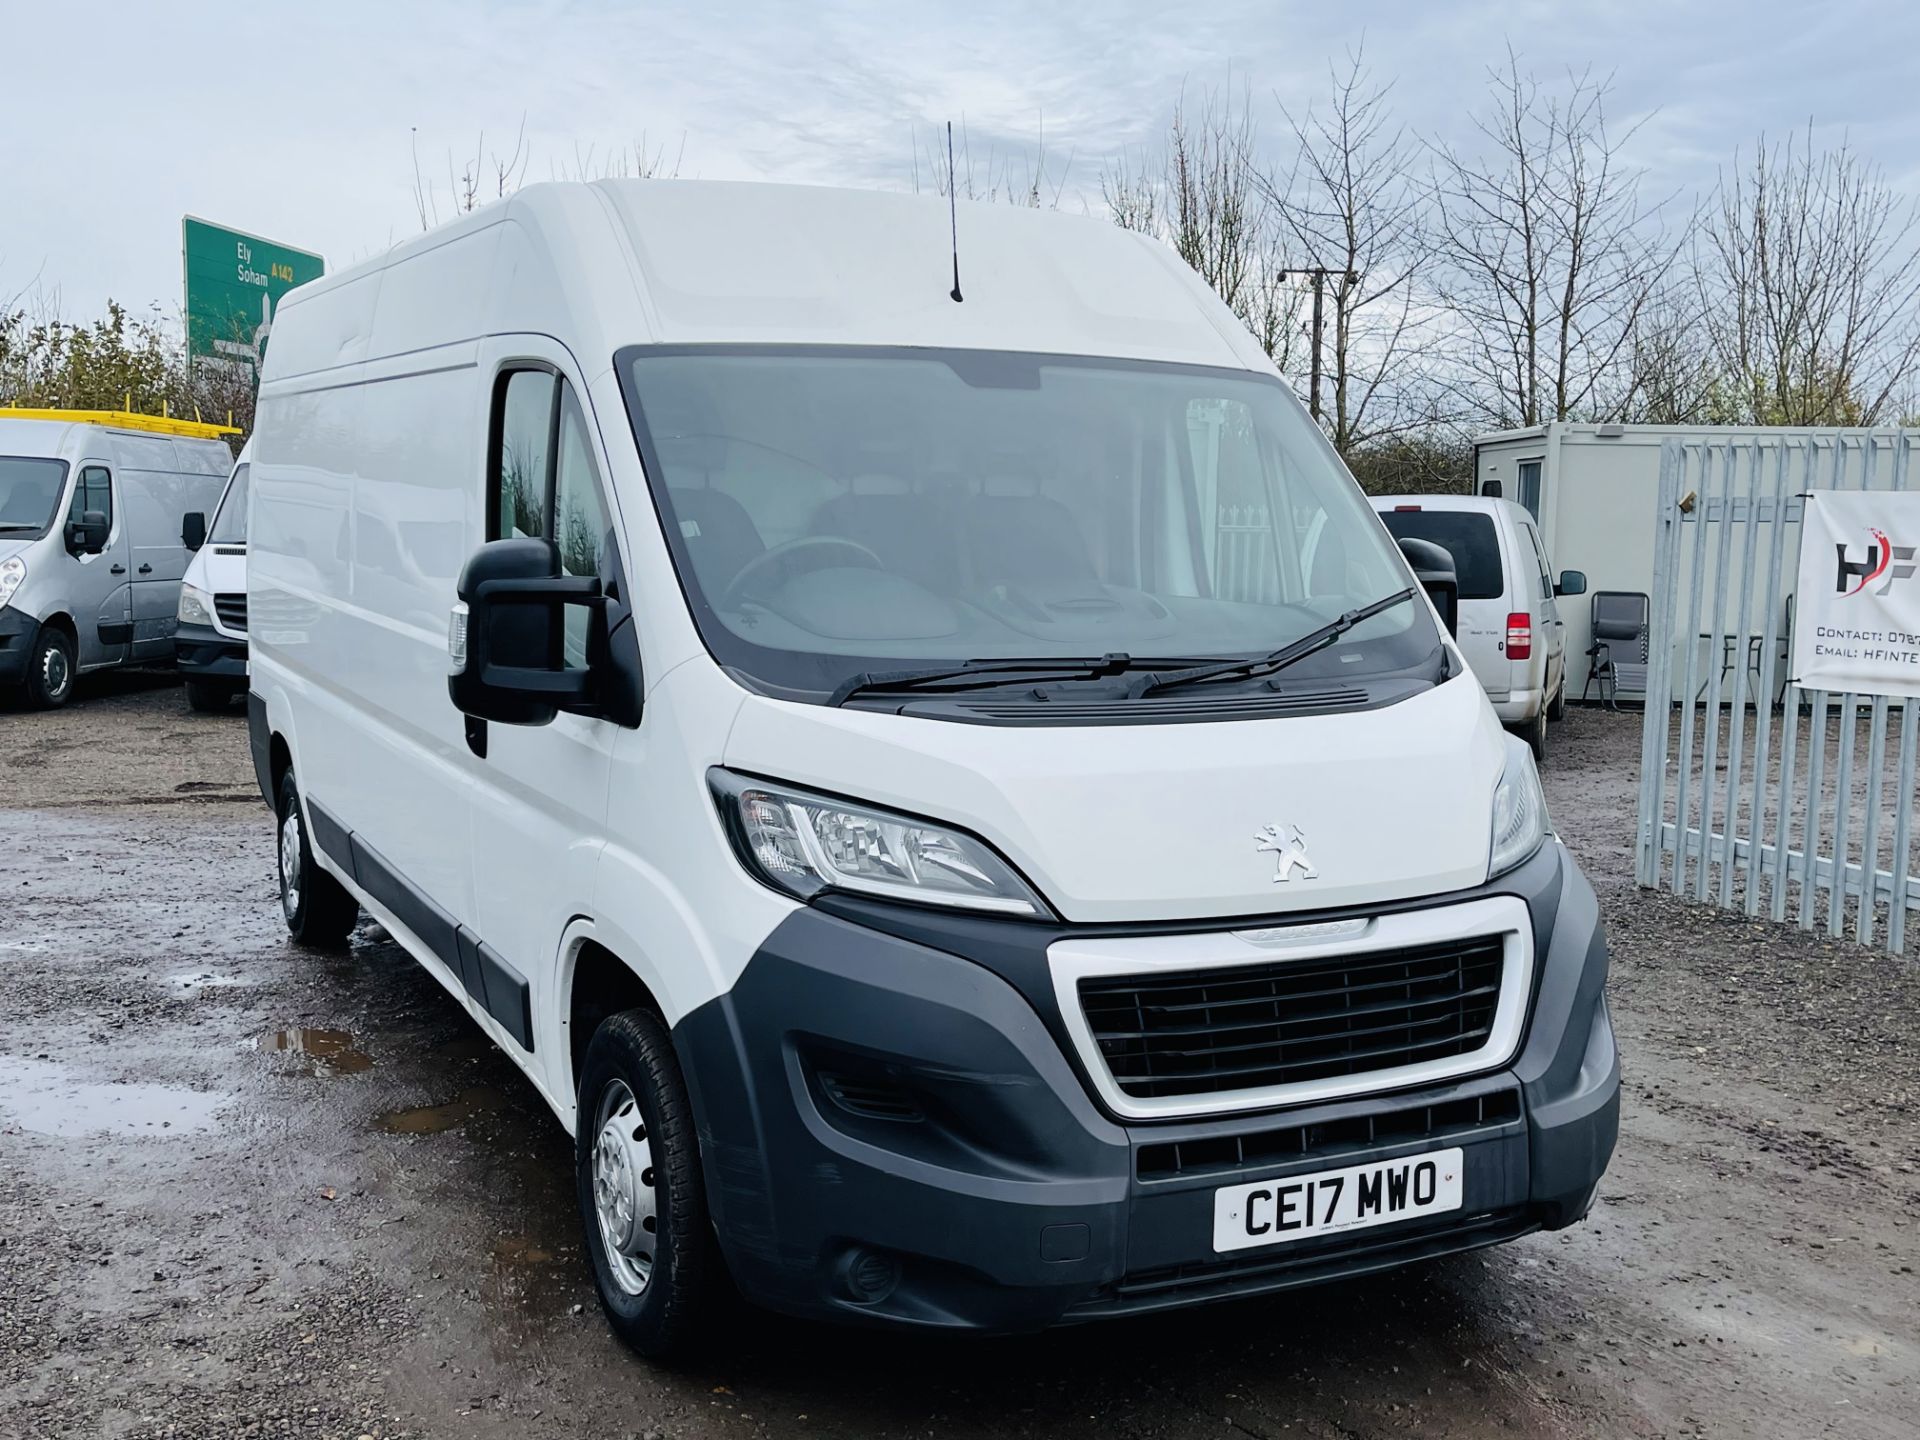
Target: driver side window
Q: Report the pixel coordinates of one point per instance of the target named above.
(542, 482)
(92, 491)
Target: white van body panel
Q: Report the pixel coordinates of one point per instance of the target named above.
(1085, 813)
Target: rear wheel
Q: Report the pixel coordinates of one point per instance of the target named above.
(643, 1203)
(317, 907)
(1534, 732)
(1557, 707)
(50, 669)
(209, 697)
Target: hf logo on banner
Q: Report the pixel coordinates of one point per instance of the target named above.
(1856, 624)
(1880, 557)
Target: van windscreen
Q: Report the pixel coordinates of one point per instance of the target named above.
(29, 490)
(1467, 535)
(230, 520)
(836, 512)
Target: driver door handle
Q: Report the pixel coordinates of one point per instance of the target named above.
(146, 569)
(118, 570)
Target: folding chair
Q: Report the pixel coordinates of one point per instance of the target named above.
(1617, 659)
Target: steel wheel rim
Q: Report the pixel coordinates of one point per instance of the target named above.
(290, 863)
(55, 673)
(625, 1197)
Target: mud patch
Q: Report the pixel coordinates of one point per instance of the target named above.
(46, 1099)
(326, 1052)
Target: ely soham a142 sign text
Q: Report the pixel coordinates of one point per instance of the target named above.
(234, 281)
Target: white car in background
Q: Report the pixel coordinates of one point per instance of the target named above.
(1510, 628)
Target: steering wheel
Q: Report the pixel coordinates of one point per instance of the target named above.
(823, 551)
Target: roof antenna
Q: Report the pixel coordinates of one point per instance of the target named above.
(953, 211)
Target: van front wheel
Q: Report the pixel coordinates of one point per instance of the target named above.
(643, 1203)
(317, 907)
(209, 697)
(50, 669)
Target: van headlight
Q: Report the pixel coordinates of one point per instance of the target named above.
(804, 843)
(1519, 811)
(195, 607)
(13, 572)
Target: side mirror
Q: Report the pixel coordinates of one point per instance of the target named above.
(88, 534)
(193, 529)
(1572, 582)
(1491, 489)
(507, 638)
(1433, 567)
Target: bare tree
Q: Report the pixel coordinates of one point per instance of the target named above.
(1203, 192)
(1808, 275)
(1547, 254)
(487, 176)
(1006, 176)
(1352, 206)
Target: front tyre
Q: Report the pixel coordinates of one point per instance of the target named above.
(643, 1203)
(50, 669)
(317, 907)
(209, 697)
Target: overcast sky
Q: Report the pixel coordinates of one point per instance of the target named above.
(296, 121)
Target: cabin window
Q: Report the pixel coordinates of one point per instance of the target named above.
(544, 484)
(92, 491)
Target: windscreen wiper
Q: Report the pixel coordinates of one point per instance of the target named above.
(979, 675)
(16, 525)
(1310, 643)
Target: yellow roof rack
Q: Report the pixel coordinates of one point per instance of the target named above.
(126, 420)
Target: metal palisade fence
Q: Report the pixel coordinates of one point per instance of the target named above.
(1756, 794)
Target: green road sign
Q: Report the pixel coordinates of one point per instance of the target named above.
(234, 281)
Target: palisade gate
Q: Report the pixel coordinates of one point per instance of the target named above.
(1756, 794)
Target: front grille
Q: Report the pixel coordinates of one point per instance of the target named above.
(1435, 1124)
(1337, 1257)
(232, 610)
(1282, 1022)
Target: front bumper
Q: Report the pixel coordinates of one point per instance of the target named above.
(894, 1133)
(17, 629)
(203, 653)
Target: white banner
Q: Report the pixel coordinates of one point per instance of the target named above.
(1856, 621)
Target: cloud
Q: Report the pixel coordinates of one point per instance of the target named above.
(299, 121)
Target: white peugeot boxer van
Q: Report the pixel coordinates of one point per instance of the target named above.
(1510, 628)
(867, 746)
(93, 539)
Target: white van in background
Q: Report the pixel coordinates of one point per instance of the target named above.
(808, 713)
(210, 642)
(1510, 626)
(93, 507)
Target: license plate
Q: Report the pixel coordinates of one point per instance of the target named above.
(1327, 1202)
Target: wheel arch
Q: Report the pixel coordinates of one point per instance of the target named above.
(596, 982)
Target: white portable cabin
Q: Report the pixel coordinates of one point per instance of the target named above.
(1595, 491)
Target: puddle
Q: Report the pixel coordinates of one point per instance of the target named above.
(328, 1052)
(206, 979)
(521, 1251)
(44, 1098)
(433, 1119)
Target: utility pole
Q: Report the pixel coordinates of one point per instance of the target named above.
(1317, 275)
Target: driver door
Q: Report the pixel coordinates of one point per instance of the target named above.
(97, 586)
(540, 792)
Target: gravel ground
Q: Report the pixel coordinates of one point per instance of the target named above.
(248, 1190)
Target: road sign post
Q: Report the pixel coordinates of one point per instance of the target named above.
(233, 282)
